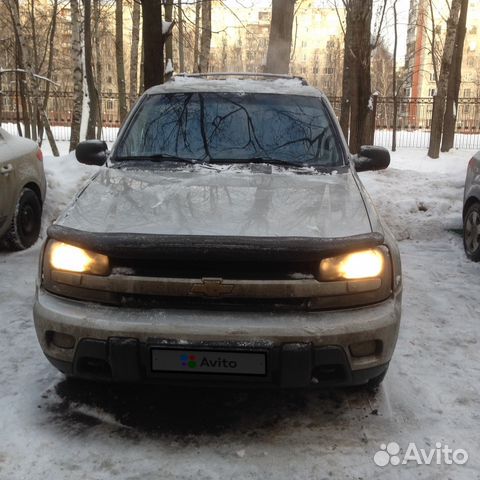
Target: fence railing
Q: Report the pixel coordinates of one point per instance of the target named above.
(413, 118)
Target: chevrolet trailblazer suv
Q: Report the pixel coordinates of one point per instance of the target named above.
(227, 240)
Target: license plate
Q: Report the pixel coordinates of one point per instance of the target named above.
(201, 361)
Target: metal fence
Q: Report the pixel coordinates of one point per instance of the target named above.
(413, 119)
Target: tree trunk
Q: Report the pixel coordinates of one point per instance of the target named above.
(440, 98)
(196, 37)
(134, 53)
(206, 35)
(77, 76)
(394, 78)
(280, 40)
(357, 69)
(122, 96)
(33, 113)
(454, 80)
(153, 63)
(181, 38)
(92, 91)
(22, 84)
(98, 64)
(348, 61)
(169, 42)
(51, 52)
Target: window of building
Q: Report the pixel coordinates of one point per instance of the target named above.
(263, 16)
(109, 104)
(328, 70)
(467, 92)
(315, 70)
(432, 92)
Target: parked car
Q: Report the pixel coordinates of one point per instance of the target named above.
(227, 240)
(471, 210)
(22, 191)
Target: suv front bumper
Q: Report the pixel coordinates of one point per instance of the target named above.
(301, 348)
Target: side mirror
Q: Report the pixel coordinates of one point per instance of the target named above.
(371, 158)
(92, 152)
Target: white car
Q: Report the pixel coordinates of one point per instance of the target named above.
(22, 191)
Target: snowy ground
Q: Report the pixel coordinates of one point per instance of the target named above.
(49, 429)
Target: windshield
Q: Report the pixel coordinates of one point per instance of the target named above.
(231, 127)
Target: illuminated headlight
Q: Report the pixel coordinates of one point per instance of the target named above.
(74, 259)
(356, 265)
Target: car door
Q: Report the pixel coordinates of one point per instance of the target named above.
(7, 183)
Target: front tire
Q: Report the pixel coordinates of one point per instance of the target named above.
(26, 222)
(374, 383)
(471, 232)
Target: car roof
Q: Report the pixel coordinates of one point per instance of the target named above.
(242, 84)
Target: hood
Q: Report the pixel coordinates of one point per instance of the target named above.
(220, 202)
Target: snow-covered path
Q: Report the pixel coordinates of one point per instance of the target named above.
(51, 429)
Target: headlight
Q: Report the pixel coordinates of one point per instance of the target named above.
(74, 259)
(356, 265)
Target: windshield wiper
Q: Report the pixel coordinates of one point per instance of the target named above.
(159, 157)
(267, 160)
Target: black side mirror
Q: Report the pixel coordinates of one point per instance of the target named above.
(371, 158)
(92, 152)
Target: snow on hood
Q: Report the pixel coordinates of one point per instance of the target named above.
(199, 201)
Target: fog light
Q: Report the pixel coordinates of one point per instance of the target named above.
(364, 349)
(60, 340)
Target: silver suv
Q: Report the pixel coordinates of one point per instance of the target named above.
(227, 240)
(22, 191)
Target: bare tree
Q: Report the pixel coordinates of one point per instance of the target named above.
(196, 39)
(454, 81)
(169, 18)
(394, 77)
(134, 52)
(181, 38)
(280, 40)
(31, 78)
(77, 75)
(98, 35)
(356, 96)
(92, 90)
(122, 95)
(153, 39)
(206, 35)
(440, 98)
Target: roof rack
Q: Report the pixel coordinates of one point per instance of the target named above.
(240, 74)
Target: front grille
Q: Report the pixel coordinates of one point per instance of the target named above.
(221, 304)
(239, 270)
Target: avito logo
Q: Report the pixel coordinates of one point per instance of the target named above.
(189, 361)
(193, 361)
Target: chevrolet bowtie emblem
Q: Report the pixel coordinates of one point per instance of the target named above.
(212, 287)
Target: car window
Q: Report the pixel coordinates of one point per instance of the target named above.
(232, 126)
